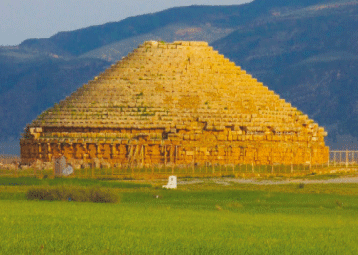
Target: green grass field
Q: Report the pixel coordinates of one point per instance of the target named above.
(202, 218)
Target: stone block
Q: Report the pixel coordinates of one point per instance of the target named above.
(207, 89)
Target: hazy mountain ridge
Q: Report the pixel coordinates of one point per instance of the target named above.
(80, 41)
(310, 61)
(304, 50)
(29, 87)
(174, 32)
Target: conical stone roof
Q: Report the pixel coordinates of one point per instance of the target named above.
(177, 86)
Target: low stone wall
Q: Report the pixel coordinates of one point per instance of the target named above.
(180, 152)
(9, 159)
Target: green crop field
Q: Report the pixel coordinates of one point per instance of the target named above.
(201, 218)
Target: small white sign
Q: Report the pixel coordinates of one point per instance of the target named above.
(172, 183)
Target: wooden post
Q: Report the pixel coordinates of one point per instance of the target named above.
(347, 158)
(334, 158)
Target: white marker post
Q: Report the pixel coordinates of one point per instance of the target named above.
(172, 183)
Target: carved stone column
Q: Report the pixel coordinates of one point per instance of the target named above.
(39, 151)
(71, 150)
(98, 151)
(60, 148)
(49, 152)
(85, 154)
(112, 146)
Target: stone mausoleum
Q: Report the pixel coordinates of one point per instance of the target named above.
(174, 103)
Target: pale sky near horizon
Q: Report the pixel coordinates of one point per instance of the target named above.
(23, 19)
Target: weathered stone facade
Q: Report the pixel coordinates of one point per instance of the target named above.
(175, 103)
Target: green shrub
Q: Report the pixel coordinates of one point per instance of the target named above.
(79, 182)
(68, 193)
(339, 203)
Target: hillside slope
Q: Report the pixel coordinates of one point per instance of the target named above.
(305, 50)
(310, 58)
(83, 40)
(30, 83)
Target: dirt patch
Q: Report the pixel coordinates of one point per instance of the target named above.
(227, 181)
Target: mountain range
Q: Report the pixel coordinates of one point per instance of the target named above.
(304, 50)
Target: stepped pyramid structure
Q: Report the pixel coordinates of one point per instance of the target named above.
(176, 103)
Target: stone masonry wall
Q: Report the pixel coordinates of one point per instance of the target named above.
(176, 103)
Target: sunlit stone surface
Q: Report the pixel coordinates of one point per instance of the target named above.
(174, 103)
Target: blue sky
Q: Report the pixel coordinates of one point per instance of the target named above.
(23, 19)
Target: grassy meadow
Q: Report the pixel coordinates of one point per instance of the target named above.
(198, 218)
